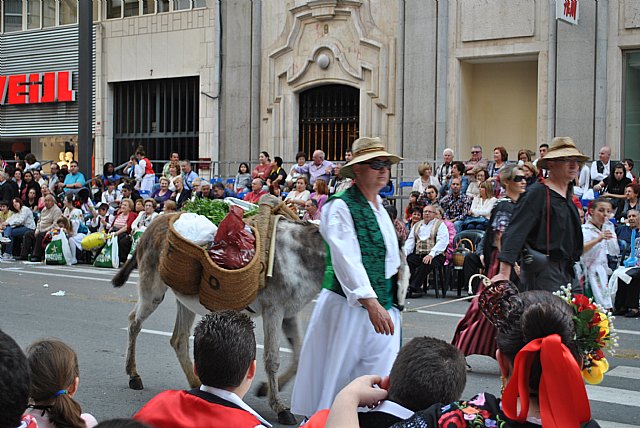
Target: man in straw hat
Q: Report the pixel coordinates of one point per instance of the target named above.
(546, 224)
(354, 328)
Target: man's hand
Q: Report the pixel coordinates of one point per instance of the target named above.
(427, 259)
(379, 316)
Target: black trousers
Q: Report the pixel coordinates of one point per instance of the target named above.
(420, 270)
(471, 266)
(32, 244)
(124, 246)
(629, 294)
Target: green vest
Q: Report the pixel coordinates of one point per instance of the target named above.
(372, 248)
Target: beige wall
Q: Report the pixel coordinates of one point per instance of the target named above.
(498, 107)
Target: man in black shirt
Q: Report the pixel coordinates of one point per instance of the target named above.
(546, 221)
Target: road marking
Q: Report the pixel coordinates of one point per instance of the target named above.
(166, 333)
(446, 314)
(609, 424)
(635, 333)
(65, 276)
(626, 372)
(613, 395)
(100, 271)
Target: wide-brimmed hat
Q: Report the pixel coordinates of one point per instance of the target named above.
(366, 148)
(560, 148)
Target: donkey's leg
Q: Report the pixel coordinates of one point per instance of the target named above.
(150, 295)
(272, 321)
(180, 342)
(291, 329)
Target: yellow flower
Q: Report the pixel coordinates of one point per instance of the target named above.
(594, 374)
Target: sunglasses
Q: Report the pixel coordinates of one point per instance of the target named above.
(519, 178)
(378, 164)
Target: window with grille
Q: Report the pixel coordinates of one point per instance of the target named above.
(329, 117)
(161, 115)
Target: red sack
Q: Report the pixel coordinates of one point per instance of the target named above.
(234, 246)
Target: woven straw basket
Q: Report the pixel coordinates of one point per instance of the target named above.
(230, 289)
(461, 252)
(180, 265)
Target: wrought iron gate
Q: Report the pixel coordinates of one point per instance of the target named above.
(329, 117)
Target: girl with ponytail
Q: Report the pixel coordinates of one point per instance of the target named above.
(54, 382)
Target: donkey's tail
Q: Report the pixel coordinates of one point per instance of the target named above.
(123, 274)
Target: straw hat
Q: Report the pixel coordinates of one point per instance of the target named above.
(364, 149)
(560, 148)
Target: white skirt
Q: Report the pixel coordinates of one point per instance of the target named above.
(340, 345)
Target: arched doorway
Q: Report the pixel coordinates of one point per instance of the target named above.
(329, 117)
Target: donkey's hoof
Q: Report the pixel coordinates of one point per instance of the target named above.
(285, 417)
(263, 390)
(136, 383)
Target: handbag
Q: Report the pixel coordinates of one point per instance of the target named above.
(534, 260)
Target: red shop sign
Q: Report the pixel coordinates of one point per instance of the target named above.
(36, 88)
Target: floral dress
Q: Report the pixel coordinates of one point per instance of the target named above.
(596, 276)
(483, 410)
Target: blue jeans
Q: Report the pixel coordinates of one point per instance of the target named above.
(12, 232)
(458, 225)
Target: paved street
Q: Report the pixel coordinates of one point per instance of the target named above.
(92, 317)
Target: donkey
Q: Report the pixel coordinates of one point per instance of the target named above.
(298, 270)
(297, 277)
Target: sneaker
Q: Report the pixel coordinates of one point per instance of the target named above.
(5, 240)
(8, 258)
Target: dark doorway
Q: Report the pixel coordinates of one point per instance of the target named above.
(329, 117)
(161, 115)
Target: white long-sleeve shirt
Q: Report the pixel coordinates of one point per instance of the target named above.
(442, 238)
(482, 207)
(595, 175)
(338, 230)
(23, 218)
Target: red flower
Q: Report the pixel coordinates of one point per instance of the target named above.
(582, 302)
(453, 419)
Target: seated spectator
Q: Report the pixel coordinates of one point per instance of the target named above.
(205, 191)
(456, 205)
(320, 192)
(220, 192)
(274, 190)
(242, 182)
(31, 201)
(138, 205)
(631, 193)
(426, 371)
(8, 187)
(413, 203)
(613, 186)
(298, 196)
(162, 193)
(181, 194)
(74, 181)
(474, 187)
(457, 172)
(263, 169)
(429, 197)
(29, 183)
(109, 174)
(102, 220)
(277, 175)
(19, 180)
(481, 207)
(318, 168)
(121, 228)
(44, 191)
(256, 191)
(54, 169)
(20, 222)
(112, 196)
(174, 172)
(30, 163)
(416, 216)
(146, 216)
(174, 159)
(448, 255)
(55, 376)
(425, 170)
(524, 155)
(425, 249)
(312, 212)
(224, 353)
(195, 186)
(128, 191)
(401, 229)
(628, 294)
(500, 159)
(15, 380)
(5, 212)
(338, 183)
(628, 166)
(78, 227)
(38, 178)
(170, 207)
(292, 178)
(32, 240)
(530, 172)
